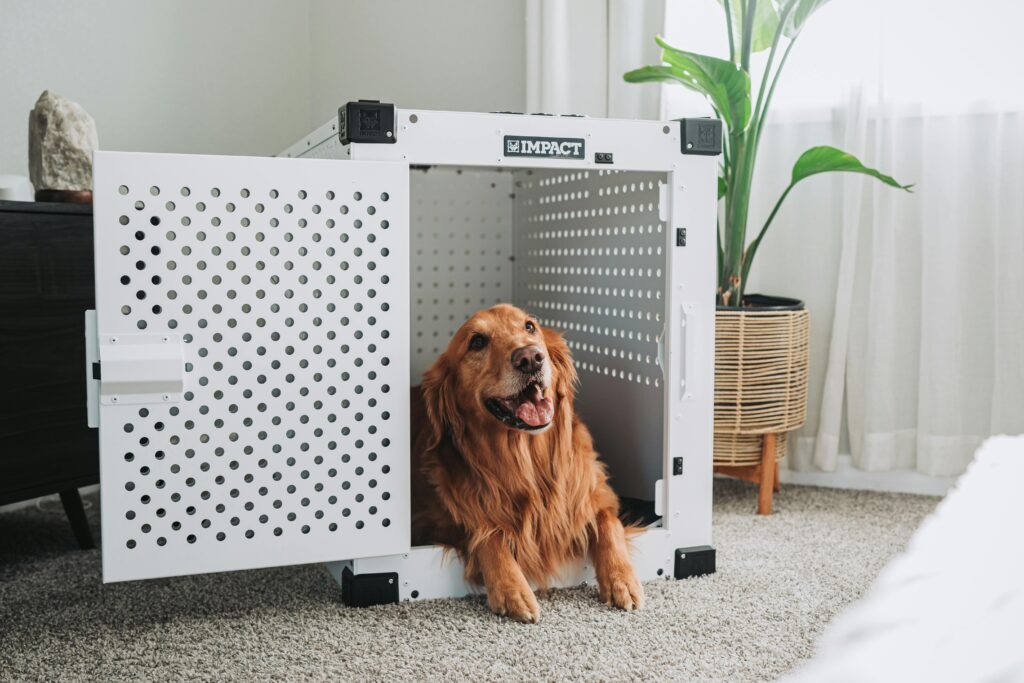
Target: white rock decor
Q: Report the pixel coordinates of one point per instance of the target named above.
(61, 140)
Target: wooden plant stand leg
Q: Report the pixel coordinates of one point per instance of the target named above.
(778, 484)
(768, 464)
(72, 502)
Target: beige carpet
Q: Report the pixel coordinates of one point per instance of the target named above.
(780, 580)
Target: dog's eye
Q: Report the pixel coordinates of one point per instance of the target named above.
(477, 342)
(530, 327)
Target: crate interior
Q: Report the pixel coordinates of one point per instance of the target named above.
(584, 251)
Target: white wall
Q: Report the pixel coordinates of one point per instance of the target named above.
(229, 76)
(249, 77)
(465, 55)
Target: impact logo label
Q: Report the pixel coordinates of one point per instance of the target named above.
(552, 148)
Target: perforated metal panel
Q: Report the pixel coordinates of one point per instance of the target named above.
(461, 253)
(590, 261)
(273, 295)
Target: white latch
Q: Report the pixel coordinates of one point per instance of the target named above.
(663, 199)
(686, 332)
(141, 368)
(659, 498)
(92, 364)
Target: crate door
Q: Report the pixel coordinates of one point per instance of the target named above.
(252, 321)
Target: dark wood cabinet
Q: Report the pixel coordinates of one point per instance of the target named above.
(46, 285)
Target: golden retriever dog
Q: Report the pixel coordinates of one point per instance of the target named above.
(505, 473)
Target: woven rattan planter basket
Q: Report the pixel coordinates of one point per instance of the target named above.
(761, 359)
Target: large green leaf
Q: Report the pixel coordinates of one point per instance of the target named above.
(829, 159)
(725, 84)
(766, 21)
(802, 10)
(723, 187)
(649, 74)
(812, 162)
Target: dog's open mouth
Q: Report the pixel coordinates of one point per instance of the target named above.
(529, 409)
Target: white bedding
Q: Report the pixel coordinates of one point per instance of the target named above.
(951, 607)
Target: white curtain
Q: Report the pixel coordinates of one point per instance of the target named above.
(577, 51)
(917, 301)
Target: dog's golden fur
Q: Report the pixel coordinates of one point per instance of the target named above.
(516, 505)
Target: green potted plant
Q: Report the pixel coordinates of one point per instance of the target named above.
(761, 351)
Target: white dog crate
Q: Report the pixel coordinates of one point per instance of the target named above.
(260, 320)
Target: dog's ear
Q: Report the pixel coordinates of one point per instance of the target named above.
(439, 398)
(561, 360)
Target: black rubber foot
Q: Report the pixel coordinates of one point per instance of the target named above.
(364, 590)
(696, 561)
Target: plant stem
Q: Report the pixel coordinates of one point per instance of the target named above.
(748, 33)
(761, 109)
(737, 205)
(738, 171)
(771, 90)
(718, 240)
(728, 26)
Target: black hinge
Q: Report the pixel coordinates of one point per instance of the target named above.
(96, 370)
(680, 237)
(367, 121)
(364, 590)
(701, 136)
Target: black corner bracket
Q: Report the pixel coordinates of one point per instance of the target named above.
(701, 136)
(367, 121)
(696, 561)
(365, 590)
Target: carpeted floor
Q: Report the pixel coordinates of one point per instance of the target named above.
(780, 580)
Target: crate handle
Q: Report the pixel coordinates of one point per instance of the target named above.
(686, 325)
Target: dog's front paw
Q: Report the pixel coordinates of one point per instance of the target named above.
(622, 589)
(514, 600)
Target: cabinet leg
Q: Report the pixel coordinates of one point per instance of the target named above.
(72, 502)
(764, 498)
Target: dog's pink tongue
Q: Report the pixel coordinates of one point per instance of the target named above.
(536, 412)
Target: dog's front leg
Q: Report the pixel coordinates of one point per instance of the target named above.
(508, 592)
(615, 576)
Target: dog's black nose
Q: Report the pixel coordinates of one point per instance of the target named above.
(528, 359)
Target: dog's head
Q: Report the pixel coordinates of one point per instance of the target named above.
(501, 369)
